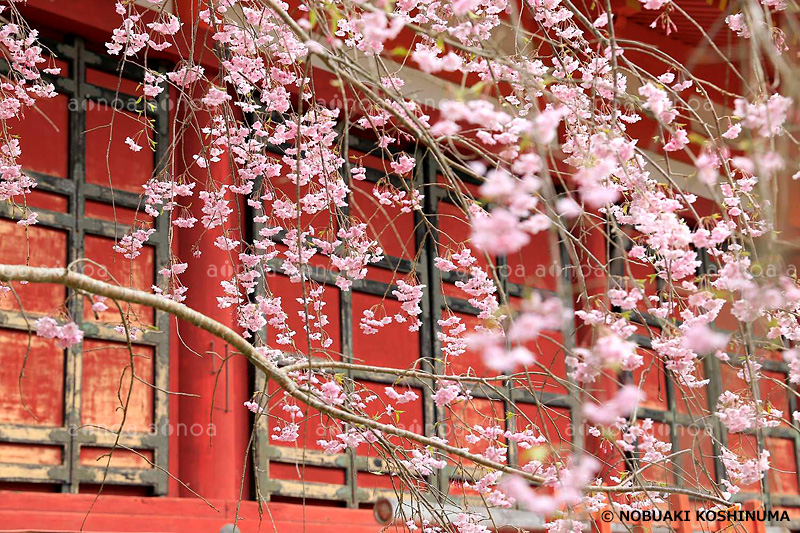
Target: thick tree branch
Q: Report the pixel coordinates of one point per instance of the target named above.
(81, 282)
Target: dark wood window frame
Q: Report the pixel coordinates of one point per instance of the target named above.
(433, 305)
(72, 435)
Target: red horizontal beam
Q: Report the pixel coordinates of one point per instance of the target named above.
(48, 512)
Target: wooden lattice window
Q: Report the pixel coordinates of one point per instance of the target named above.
(59, 418)
(303, 470)
(680, 412)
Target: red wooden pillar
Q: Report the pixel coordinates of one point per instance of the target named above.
(174, 385)
(213, 430)
(188, 10)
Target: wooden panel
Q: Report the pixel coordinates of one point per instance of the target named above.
(115, 213)
(114, 162)
(534, 265)
(726, 320)
(730, 380)
(138, 274)
(309, 457)
(774, 395)
(15, 453)
(546, 349)
(548, 352)
(112, 490)
(289, 293)
(697, 464)
(462, 417)
(43, 383)
(106, 380)
(783, 466)
(653, 381)
(113, 82)
(309, 474)
(554, 423)
(455, 231)
(91, 456)
(307, 492)
(313, 426)
(101, 380)
(394, 345)
(42, 247)
(44, 136)
(372, 481)
(46, 200)
(471, 360)
(384, 275)
(393, 229)
(22, 487)
(408, 416)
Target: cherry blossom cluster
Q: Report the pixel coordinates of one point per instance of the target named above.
(67, 335)
(20, 88)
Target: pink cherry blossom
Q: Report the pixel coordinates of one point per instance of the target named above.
(403, 165)
(410, 297)
(744, 472)
(654, 4)
(678, 141)
(733, 131)
(448, 392)
(424, 463)
(623, 404)
(498, 233)
(400, 398)
(253, 407)
(215, 97)
(66, 336)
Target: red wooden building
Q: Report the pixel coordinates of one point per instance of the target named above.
(176, 447)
